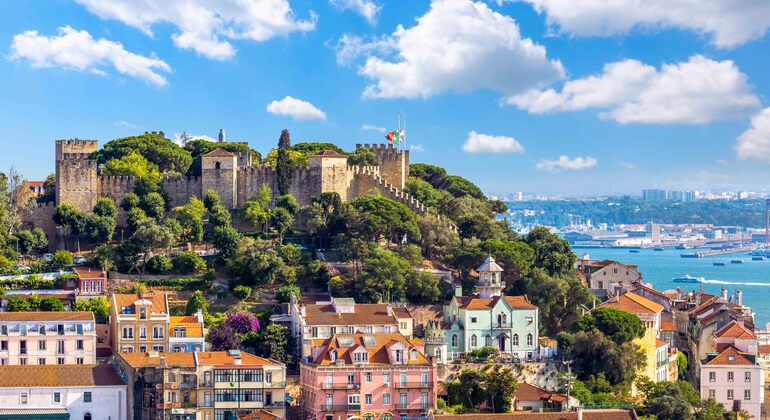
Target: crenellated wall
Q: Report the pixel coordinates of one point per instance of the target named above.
(251, 179)
(393, 163)
(181, 188)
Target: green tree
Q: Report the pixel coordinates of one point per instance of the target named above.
(288, 202)
(710, 409)
(472, 386)
(150, 235)
(422, 287)
(594, 354)
(105, 206)
(134, 217)
(211, 199)
(438, 239)
(681, 363)
(157, 149)
(383, 217)
(100, 229)
(190, 217)
(70, 218)
(277, 343)
(51, 304)
(100, 306)
(6, 265)
(146, 173)
(618, 325)
(225, 240)
(552, 254)
(195, 303)
(284, 293)
(362, 157)
(153, 205)
(130, 200)
(61, 259)
(256, 263)
(383, 276)
(242, 292)
(32, 241)
(501, 385)
(284, 167)
(188, 262)
(255, 214)
(17, 304)
(281, 219)
(159, 264)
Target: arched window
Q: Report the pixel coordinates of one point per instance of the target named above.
(515, 340)
(529, 339)
(505, 319)
(333, 355)
(487, 340)
(499, 319)
(414, 354)
(87, 416)
(217, 166)
(473, 340)
(438, 353)
(454, 340)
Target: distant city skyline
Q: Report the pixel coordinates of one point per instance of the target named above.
(518, 96)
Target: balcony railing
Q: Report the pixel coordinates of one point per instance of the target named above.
(187, 385)
(340, 386)
(435, 340)
(345, 407)
(204, 384)
(502, 325)
(413, 406)
(413, 385)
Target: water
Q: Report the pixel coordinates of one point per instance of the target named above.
(660, 267)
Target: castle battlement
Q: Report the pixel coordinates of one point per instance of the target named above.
(115, 179)
(79, 142)
(176, 179)
(78, 156)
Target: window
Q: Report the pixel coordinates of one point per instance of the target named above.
(87, 416)
(157, 332)
(386, 398)
(368, 399)
(157, 348)
(180, 332)
(142, 349)
(79, 345)
(402, 399)
(333, 355)
(369, 329)
(423, 379)
(368, 376)
(454, 340)
(24, 397)
(712, 393)
(730, 377)
(60, 329)
(414, 354)
(57, 397)
(747, 376)
(142, 332)
(41, 345)
(360, 356)
(351, 330)
(386, 377)
(712, 376)
(473, 340)
(333, 330)
(128, 332)
(23, 361)
(59, 360)
(729, 394)
(351, 378)
(218, 166)
(515, 340)
(87, 397)
(79, 361)
(314, 332)
(354, 399)
(402, 378)
(79, 329)
(4, 345)
(23, 347)
(473, 320)
(424, 400)
(487, 340)
(4, 329)
(529, 340)
(328, 400)
(142, 313)
(400, 356)
(747, 394)
(41, 329)
(41, 360)
(23, 329)
(60, 347)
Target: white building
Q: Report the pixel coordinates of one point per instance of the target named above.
(74, 392)
(734, 379)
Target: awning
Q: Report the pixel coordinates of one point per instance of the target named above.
(34, 413)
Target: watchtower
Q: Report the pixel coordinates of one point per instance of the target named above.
(393, 163)
(76, 179)
(218, 173)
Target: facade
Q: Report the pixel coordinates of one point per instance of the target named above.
(735, 379)
(139, 322)
(533, 398)
(372, 376)
(312, 322)
(186, 333)
(610, 277)
(74, 392)
(91, 282)
(47, 338)
(507, 323)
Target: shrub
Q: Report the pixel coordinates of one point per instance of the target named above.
(189, 263)
(242, 322)
(159, 264)
(242, 292)
(283, 295)
(61, 259)
(176, 284)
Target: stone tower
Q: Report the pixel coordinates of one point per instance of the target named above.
(76, 179)
(331, 167)
(219, 173)
(394, 163)
(490, 279)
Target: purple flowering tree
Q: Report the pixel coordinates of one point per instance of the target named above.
(242, 322)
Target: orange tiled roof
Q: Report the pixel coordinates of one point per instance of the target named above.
(735, 330)
(529, 392)
(330, 153)
(223, 358)
(515, 302)
(219, 152)
(58, 375)
(140, 360)
(660, 343)
(731, 356)
(46, 316)
(89, 273)
(194, 329)
(764, 349)
(633, 303)
(259, 415)
(157, 300)
(607, 414)
(402, 313)
(363, 314)
(378, 352)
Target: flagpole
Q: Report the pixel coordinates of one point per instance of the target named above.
(403, 146)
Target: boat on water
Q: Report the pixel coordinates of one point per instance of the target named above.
(719, 263)
(660, 248)
(633, 251)
(683, 246)
(688, 279)
(736, 261)
(760, 252)
(757, 258)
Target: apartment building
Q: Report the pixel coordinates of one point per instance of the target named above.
(321, 320)
(368, 376)
(139, 322)
(735, 379)
(47, 338)
(186, 333)
(202, 385)
(607, 277)
(62, 392)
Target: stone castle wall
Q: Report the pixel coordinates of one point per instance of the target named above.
(251, 179)
(181, 188)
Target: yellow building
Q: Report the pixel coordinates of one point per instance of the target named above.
(649, 313)
(139, 322)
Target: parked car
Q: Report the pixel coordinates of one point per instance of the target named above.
(48, 257)
(79, 260)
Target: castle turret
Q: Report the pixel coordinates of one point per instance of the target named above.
(222, 137)
(218, 173)
(393, 163)
(331, 167)
(76, 179)
(490, 279)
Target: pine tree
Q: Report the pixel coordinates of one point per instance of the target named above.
(283, 167)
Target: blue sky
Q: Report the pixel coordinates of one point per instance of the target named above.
(542, 96)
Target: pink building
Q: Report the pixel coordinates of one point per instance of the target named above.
(373, 376)
(47, 338)
(734, 379)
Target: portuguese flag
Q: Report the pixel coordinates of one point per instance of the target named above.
(395, 136)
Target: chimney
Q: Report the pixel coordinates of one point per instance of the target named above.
(162, 361)
(237, 361)
(199, 316)
(222, 135)
(579, 413)
(739, 297)
(458, 291)
(724, 294)
(390, 310)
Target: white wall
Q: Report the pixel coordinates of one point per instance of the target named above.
(107, 402)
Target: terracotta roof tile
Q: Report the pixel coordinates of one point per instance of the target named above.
(633, 303)
(223, 358)
(194, 329)
(363, 314)
(259, 415)
(660, 343)
(330, 153)
(219, 152)
(140, 360)
(89, 273)
(731, 356)
(58, 375)
(156, 299)
(377, 353)
(735, 330)
(402, 313)
(528, 392)
(46, 316)
(515, 302)
(764, 349)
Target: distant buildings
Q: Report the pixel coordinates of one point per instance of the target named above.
(664, 195)
(61, 392)
(607, 277)
(47, 338)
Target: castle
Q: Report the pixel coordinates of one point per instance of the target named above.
(233, 176)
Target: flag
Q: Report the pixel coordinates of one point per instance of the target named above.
(396, 136)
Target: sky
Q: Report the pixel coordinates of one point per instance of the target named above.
(543, 96)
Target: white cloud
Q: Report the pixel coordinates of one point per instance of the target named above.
(366, 8)
(754, 143)
(697, 91)
(206, 26)
(296, 108)
(458, 45)
(351, 47)
(78, 50)
(565, 163)
(727, 22)
(417, 148)
(124, 124)
(483, 143)
(368, 127)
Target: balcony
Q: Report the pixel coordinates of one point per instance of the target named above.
(502, 325)
(275, 384)
(435, 340)
(187, 385)
(167, 406)
(340, 386)
(204, 384)
(345, 407)
(167, 385)
(413, 406)
(413, 385)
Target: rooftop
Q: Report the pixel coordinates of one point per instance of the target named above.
(46, 316)
(528, 392)
(204, 358)
(735, 330)
(376, 345)
(607, 414)
(515, 302)
(633, 303)
(194, 329)
(363, 313)
(156, 301)
(219, 152)
(89, 273)
(489, 264)
(732, 357)
(58, 375)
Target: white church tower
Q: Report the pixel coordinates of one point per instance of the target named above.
(490, 279)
